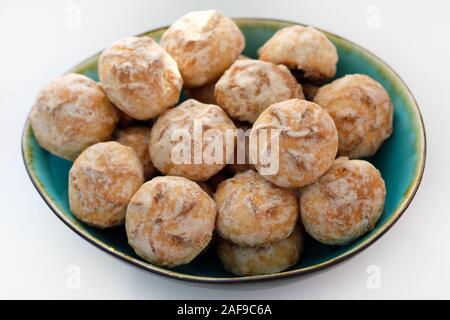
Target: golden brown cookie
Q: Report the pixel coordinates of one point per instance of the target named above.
(267, 259)
(252, 211)
(302, 48)
(344, 203)
(102, 181)
(138, 138)
(248, 87)
(302, 143)
(170, 220)
(205, 93)
(140, 77)
(70, 114)
(204, 44)
(191, 140)
(362, 111)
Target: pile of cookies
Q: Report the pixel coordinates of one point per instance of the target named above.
(125, 133)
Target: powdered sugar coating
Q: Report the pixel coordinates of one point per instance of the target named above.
(170, 220)
(302, 48)
(308, 142)
(102, 181)
(204, 44)
(248, 87)
(70, 114)
(211, 119)
(267, 259)
(138, 138)
(140, 77)
(362, 111)
(253, 211)
(344, 203)
(205, 93)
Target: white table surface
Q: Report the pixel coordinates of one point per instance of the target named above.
(39, 40)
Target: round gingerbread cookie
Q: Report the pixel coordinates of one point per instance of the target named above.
(170, 220)
(204, 44)
(248, 87)
(252, 211)
(190, 140)
(205, 93)
(102, 181)
(344, 203)
(362, 111)
(140, 77)
(294, 143)
(70, 114)
(267, 259)
(302, 48)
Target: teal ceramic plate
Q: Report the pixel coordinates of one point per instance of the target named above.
(401, 161)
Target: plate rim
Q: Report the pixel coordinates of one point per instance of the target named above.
(399, 211)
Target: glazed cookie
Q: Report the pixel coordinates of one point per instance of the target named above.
(170, 220)
(362, 111)
(101, 183)
(70, 114)
(302, 48)
(241, 160)
(302, 143)
(191, 141)
(344, 203)
(138, 139)
(267, 259)
(252, 211)
(140, 77)
(205, 93)
(204, 44)
(248, 87)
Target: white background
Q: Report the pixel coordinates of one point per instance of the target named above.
(40, 40)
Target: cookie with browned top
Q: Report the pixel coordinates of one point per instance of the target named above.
(70, 114)
(267, 259)
(170, 220)
(140, 77)
(204, 44)
(190, 140)
(362, 111)
(345, 203)
(252, 211)
(302, 48)
(302, 143)
(101, 183)
(248, 87)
